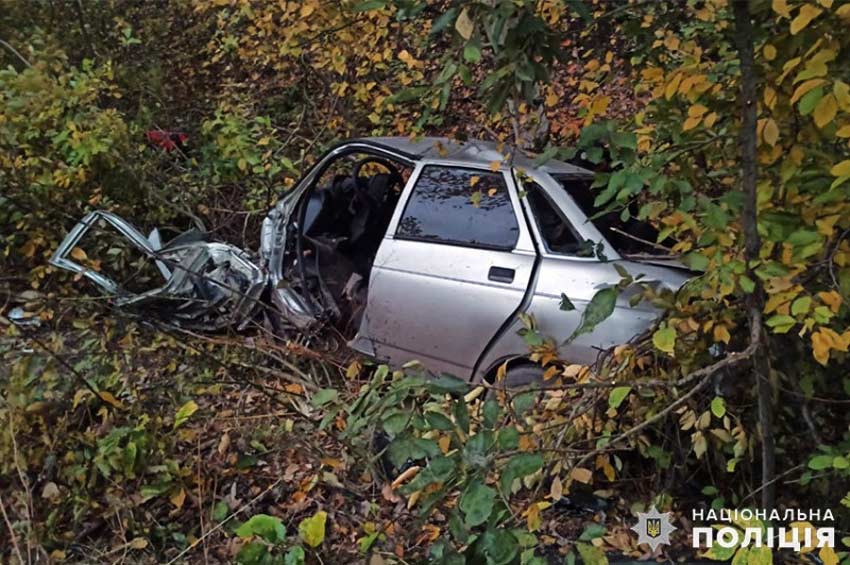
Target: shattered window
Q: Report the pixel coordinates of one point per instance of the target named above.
(461, 206)
(557, 233)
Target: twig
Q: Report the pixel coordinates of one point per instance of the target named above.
(221, 524)
(704, 374)
(12, 535)
(18, 55)
(641, 240)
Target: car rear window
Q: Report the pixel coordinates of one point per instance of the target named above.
(629, 237)
(460, 206)
(558, 234)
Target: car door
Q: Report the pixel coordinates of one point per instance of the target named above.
(454, 267)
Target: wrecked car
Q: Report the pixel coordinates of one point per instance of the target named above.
(421, 249)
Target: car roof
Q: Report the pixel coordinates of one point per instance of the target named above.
(473, 152)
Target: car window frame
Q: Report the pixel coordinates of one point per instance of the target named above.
(564, 202)
(516, 207)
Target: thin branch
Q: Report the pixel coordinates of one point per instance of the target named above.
(15, 52)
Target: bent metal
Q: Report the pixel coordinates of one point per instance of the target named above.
(797, 538)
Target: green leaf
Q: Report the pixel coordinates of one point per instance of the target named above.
(267, 527)
(184, 413)
(840, 463)
(369, 6)
(439, 421)
(220, 511)
(252, 554)
(780, 323)
(664, 339)
(477, 503)
(593, 531)
(491, 412)
(520, 466)
(696, 261)
(747, 284)
(445, 20)
(809, 101)
(600, 307)
(718, 407)
(591, 555)
(312, 529)
(617, 396)
(472, 53)
(410, 448)
(566, 305)
(324, 396)
(295, 556)
(448, 384)
(499, 546)
(820, 462)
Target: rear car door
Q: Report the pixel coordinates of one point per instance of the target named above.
(453, 268)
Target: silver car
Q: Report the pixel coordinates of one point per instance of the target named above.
(425, 249)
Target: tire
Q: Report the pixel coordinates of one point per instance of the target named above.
(522, 375)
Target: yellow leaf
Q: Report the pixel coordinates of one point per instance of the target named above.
(691, 123)
(843, 12)
(825, 3)
(770, 132)
(831, 299)
(696, 111)
(843, 131)
(492, 192)
(581, 475)
(842, 94)
(721, 334)
(805, 87)
(781, 8)
(494, 165)
(178, 499)
(551, 99)
(825, 110)
(769, 52)
(841, 169)
(672, 86)
(556, 491)
(827, 554)
(807, 13)
(138, 543)
(307, 9)
(710, 120)
(110, 399)
(769, 97)
(464, 25)
(473, 180)
(78, 254)
(820, 347)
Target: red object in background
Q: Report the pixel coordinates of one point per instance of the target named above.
(168, 140)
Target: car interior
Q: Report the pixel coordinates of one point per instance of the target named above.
(340, 223)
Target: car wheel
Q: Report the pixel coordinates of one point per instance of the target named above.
(522, 375)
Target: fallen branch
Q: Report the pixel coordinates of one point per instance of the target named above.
(702, 375)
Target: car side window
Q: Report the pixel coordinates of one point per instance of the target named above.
(460, 206)
(558, 234)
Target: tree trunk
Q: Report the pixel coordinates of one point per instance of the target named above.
(752, 246)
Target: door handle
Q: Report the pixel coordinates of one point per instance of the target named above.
(501, 274)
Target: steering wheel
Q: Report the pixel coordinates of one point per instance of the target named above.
(355, 174)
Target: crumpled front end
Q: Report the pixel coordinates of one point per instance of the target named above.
(204, 285)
